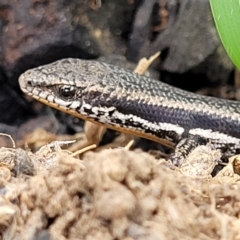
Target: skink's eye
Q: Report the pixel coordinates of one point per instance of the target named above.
(67, 92)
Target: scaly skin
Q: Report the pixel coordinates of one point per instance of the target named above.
(125, 101)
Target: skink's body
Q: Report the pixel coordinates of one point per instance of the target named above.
(127, 102)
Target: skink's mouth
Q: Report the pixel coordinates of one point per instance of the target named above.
(60, 107)
(36, 91)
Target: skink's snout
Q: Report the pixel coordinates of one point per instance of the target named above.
(26, 82)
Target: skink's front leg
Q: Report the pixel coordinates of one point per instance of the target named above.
(184, 147)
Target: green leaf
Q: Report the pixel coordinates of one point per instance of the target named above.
(226, 14)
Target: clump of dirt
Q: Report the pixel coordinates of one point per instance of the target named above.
(112, 194)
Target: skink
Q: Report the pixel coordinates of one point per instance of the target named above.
(127, 102)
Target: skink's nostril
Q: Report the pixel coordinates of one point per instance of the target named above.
(29, 83)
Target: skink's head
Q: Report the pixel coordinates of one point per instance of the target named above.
(68, 83)
(69, 71)
(62, 78)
